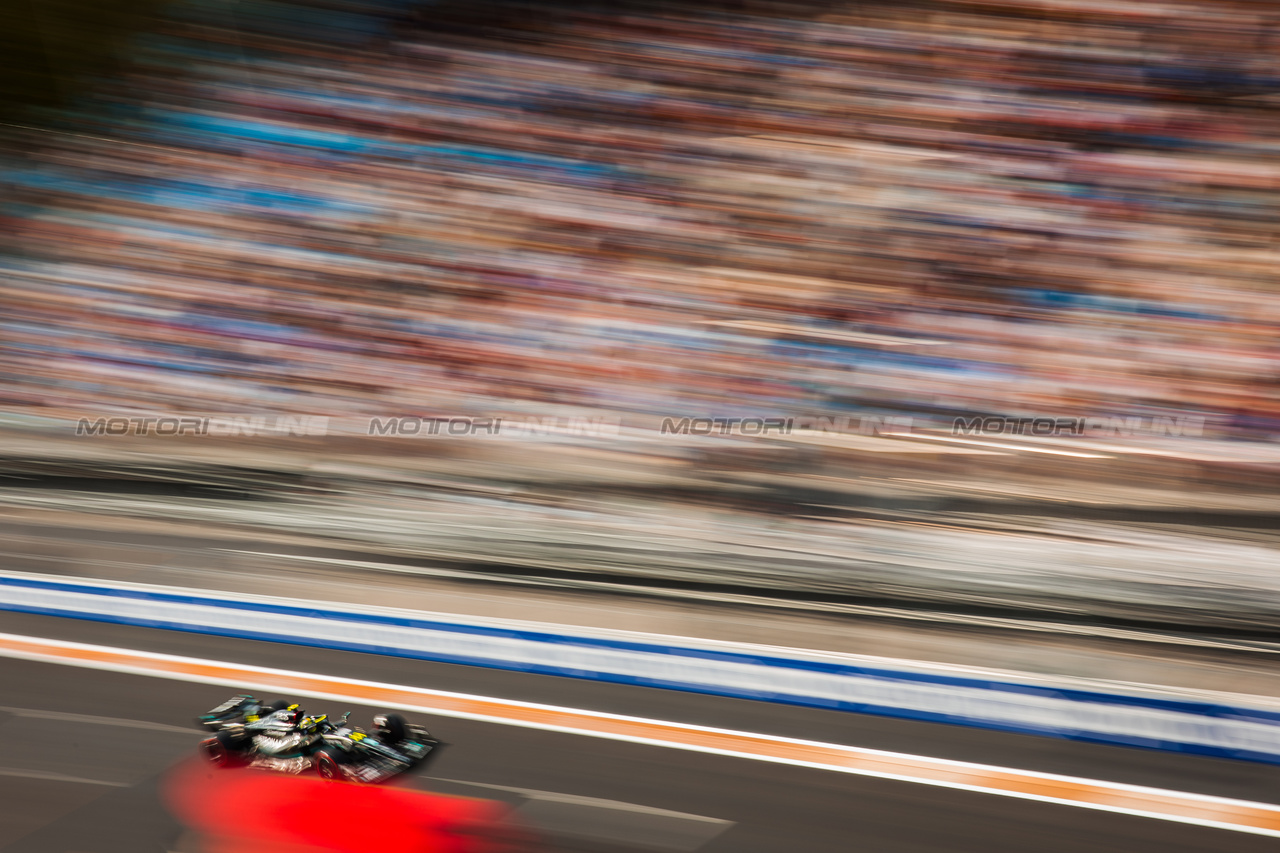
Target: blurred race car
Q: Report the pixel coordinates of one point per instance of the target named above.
(280, 736)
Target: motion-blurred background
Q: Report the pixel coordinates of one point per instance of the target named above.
(891, 213)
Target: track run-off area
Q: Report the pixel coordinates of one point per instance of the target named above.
(115, 703)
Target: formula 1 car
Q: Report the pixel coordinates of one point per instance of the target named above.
(279, 737)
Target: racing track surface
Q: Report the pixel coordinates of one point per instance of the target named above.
(84, 752)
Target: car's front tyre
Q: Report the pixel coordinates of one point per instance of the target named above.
(327, 763)
(390, 728)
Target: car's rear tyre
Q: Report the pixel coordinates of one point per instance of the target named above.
(278, 705)
(327, 765)
(391, 728)
(223, 750)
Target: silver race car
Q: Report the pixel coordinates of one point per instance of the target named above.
(280, 736)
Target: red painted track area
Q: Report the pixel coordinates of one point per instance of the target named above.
(250, 811)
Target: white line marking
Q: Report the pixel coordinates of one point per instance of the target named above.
(594, 802)
(96, 721)
(59, 777)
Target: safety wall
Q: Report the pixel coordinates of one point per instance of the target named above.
(906, 689)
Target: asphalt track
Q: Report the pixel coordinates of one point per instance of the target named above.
(85, 753)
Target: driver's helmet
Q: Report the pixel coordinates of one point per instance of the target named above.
(290, 716)
(310, 724)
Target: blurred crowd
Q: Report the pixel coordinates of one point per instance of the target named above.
(1031, 207)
